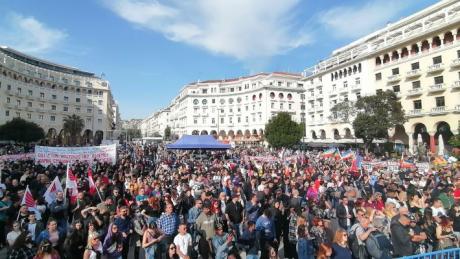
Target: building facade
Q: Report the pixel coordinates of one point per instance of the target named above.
(232, 109)
(45, 93)
(416, 57)
(155, 124)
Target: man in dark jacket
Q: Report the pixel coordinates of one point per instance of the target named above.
(344, 214)
(401, 237)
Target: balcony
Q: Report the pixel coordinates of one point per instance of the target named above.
(356, 88)
(438, 110)
(333, 92)
(436, 68)
(456, 85)
(414, 92)
(414, 113)
(394, 78)
(319, 108)
(437, 88)
(413, 73)
(343, 90)
(455, 63)
(457, 109)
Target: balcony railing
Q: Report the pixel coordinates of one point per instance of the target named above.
(435, 68)
(415, 113)
(438, 110)
(394, 78)
(355, 88)
(413, 73)
(455, 63)
(437, 88)
(319, 108)
(457, 109)
(414, 91)
(456, 85)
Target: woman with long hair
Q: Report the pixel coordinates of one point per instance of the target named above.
(46, 251)
(150, 240)
(52, 234)
(340, 245)
(113, 243)
(324, 251)
(172, 252)
(318, 232)
(21, 248)
(445, 234)
(94, 248)
(76, 241)
(305, 248)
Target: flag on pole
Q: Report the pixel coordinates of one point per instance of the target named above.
(53, 189)
(92, 185)
(71, 185)
(329, 152)
(347, 155)
(70, 180)
(28, 199)
(356, 163)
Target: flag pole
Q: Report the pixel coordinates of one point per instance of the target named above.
(98, 193)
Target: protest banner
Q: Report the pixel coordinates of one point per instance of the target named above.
(17, 157)
(423, 167)
(54, 155)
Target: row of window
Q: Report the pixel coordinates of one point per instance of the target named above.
(230, 120)
(240, 88)
(440, 102)
(414, 66)
(53, 96)
(415, 48)
(239, 99)
(53, 107)
(346, 72)
(437, 80)
(41, 116)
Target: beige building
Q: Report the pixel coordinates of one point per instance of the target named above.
(232, 109)
(417, 57)
(45, 93)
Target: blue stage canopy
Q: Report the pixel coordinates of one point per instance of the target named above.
(197, 142)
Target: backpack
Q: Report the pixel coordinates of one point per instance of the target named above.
(358, 251)
(378, 245)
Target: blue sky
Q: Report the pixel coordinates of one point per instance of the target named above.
(149, 49)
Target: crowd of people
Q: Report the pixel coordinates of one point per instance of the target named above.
(154, 203)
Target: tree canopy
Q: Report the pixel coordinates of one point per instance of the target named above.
(20, 130)
(167, 133)
(371, 116)
(73, 125)
(281, 131)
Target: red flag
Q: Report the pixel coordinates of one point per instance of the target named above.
(28, 199)
(73, 195)
(92, 185)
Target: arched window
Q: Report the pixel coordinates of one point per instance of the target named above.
(425, 46)
(281, 95)
(378, 61)
(414, 49)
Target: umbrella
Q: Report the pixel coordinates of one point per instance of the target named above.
(440, 145)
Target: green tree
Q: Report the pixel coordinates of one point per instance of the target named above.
(376, 114)
(281, 131)
(73, 126)
(22, 131)
(167, 135)
(344, 111)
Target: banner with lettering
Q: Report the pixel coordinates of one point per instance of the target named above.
(54, 155)
(17, 157)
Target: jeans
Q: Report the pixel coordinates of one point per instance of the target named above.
(250, 256)
(150, 251)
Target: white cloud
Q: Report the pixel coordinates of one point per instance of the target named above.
(246, 30)
(30, 35)
(352, 22)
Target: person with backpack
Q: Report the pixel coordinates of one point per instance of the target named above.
(358, 236)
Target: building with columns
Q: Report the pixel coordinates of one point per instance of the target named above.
(418, 58)
(45, 93)
(232, 109)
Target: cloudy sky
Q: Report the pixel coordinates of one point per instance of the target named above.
(149, 49)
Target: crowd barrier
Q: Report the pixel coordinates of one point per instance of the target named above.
(453, 253)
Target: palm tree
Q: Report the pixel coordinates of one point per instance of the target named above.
(73, 125)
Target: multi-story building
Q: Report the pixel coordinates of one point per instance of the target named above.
(417, 57)
(131, 124)
(233, 109)
(45, 93)
(155, 124)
